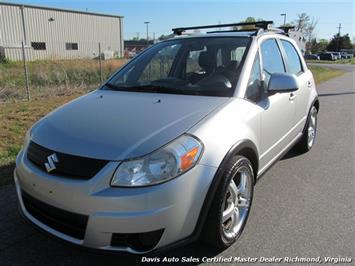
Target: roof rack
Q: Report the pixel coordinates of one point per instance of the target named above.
(241, 30)
(286, 29)
(258, 25)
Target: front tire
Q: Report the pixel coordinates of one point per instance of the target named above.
(309, 135)
(231, 205)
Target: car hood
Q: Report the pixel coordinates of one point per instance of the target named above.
(116, 125)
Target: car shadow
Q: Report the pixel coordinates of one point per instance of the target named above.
(335, 94)
(6, 173)
(195, 251)
(291, 154)
(23, 231)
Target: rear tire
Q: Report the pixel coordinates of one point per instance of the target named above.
(230, 207)
(310, 132)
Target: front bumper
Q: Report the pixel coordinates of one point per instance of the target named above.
(171, 208)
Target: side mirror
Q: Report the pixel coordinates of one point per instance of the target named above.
(282, 82)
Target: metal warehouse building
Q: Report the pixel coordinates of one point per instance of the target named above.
(52, 33)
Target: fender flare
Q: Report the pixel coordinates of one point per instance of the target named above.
(315, 103)
(243, 147)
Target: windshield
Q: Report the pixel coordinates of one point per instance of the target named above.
(197, 66)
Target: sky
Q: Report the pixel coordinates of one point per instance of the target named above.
(164, 15)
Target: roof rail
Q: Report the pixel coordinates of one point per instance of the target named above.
(258, 24)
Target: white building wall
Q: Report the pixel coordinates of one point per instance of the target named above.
(85, 29)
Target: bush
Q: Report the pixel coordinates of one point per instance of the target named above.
(3, 59)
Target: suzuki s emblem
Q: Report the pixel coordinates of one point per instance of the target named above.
(50, 165)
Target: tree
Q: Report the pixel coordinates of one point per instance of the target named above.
(287, 24)
(251, 27)
(322, 45)
(316, 47)
(301, 23)
(339, 42)
(164, 37)
(306, 25)
(248, 27)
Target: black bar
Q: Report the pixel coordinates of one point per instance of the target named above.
(286, 29)
(257, 24)
(243, 30)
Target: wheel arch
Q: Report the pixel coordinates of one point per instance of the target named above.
(314, 103)
(252, 156)
(243, 147)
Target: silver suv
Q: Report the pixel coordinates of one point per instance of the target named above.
(169, 149)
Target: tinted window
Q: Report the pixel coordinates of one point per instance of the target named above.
(293, 61)
(271, 55)
(253, 92)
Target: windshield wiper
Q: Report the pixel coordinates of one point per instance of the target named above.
(151, 88)
(122, 87)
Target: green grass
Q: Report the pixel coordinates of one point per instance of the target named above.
(322, 74)
(15, 119)
(17, 116)
(342, 61)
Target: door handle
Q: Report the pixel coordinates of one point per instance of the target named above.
(292, 96)
(309, 84)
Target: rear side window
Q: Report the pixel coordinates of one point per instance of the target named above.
(293, 60)
(272, 59)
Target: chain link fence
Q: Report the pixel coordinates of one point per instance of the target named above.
(39, 69)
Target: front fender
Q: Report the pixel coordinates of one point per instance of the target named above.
(221, 130)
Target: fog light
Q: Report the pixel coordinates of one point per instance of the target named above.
(137, 241)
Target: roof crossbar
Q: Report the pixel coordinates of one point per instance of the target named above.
(286, 29)
(241, 30)
(258, 24)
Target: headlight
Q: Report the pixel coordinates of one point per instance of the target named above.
(168, 162)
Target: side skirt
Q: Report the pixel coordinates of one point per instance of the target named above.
(279, 156)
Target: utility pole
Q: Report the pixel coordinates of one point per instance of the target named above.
(338, 41)
(339, 28)
(137, 33)
(284, 15)
(147, 23)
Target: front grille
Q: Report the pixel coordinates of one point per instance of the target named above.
(68, 165)
(68, 223)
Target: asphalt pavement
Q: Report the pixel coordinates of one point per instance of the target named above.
(303, 207)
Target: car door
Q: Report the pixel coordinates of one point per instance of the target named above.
(305, 81)
(277, 118)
